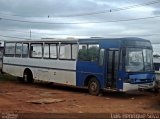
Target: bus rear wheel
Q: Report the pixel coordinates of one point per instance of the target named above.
(94, 86)
(28, 77)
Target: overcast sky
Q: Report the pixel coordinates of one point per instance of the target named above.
(55, 11)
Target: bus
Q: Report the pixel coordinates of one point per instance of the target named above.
(1, 54)
(119, 64)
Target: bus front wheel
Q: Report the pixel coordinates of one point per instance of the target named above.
(94, 86)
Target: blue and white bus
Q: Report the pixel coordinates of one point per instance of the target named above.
(120, 64)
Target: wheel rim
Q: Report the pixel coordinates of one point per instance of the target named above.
(93, 86)
(25, 77)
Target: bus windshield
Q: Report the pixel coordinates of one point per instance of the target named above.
(138, 60)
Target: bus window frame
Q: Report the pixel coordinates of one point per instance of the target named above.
(124, 60)
(28, 53)
(55, 44)
(31, 50)
(70, 52)
(43, 50)
(18, 55)
(87, 44)
(9, 55)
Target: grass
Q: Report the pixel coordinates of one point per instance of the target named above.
(7, 77)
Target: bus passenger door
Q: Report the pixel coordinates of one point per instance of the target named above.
(112, 67)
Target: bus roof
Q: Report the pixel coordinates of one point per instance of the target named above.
(81, 40)
(45, 40)
(113, 39)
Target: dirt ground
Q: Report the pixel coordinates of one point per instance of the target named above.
(17, 97)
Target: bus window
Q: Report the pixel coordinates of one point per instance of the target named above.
(65, 51)
(25, 50)
(122, 53)
(1, 52)
(36, 50)
(53, 51)
(101, 57)
(82, 54)
(74, 51)
(46, 51)
(18, 49)
(88, 52)
(9, 49)
(93, 52)
(147, 54)
(116, 60)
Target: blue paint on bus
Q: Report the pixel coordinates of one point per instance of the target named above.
(141, 78)
(87, 69)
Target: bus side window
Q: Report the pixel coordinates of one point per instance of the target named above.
(18, 49)
(10, 49)
(46, 51)
(53, 51)
(93, 52)
(82, 54)
(1, 52)
(74, 51)
(101, 57)
(36, 51)
(88, 52)
(65, 51)
(25, 50)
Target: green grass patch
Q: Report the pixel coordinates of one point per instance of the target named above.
(7, 77)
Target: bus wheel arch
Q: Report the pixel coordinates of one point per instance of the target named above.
(93, 85)
(28, 75)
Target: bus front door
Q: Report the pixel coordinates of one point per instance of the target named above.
(112, 67)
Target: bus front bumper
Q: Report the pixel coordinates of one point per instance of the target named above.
(131, 87)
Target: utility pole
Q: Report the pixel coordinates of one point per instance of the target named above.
(30, 34)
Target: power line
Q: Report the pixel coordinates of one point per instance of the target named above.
(16, 37)
(134, 6)
(96, 22)
(97, 12)
(28, 32)
(111, 10)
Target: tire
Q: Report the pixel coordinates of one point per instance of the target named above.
(94, 86)
(156, 88)
(28, 77)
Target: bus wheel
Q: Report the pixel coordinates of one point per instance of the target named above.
(94, 86)
(28, 77)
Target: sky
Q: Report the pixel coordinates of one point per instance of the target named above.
(80, 18)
